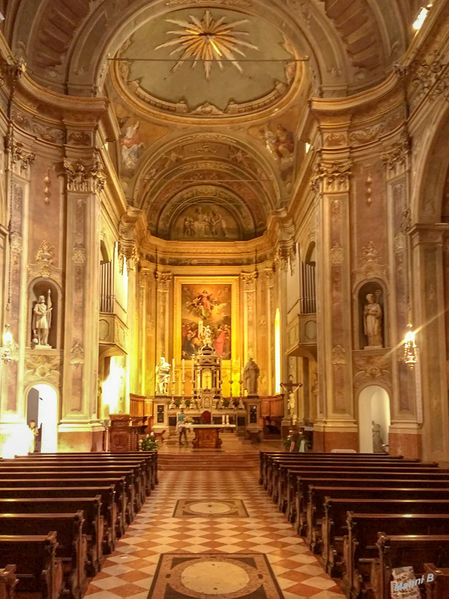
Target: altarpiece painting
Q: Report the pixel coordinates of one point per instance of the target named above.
(205, 314)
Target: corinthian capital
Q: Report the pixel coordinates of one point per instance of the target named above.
(332, 177)
(83, 177)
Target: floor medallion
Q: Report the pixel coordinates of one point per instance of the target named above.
(209, 508)
(214, 575)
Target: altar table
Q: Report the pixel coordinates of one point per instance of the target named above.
(207, 436)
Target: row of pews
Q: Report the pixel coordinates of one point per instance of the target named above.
(367, 515)
(60, 514)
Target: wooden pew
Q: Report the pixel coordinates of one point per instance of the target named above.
(108, 506)
(436, 582)
(140, 471)
(148, 457)
(277, 466)
(90, 507)
(38, 570)
(266, 456)
(8, 581)
(295, 480)
(364, 479)
(318, 494)
(412, 550)
(280, 469)
(132, 487)
(359, 545)
(71, 548)
(270, 460)
(52, 479)
(67, 484)
(334, 524)
(288, 473)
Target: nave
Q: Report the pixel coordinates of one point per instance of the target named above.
(130, 571)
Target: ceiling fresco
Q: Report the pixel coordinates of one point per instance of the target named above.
(208, 98)
(207, 62)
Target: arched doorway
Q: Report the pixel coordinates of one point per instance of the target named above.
(42, 406)
(374, 407)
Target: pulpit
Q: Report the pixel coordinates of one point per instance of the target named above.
(122, 435)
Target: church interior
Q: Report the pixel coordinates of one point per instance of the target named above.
(224, 234)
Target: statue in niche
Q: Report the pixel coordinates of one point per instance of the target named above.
(372, 320)
(162, 376)
(42, 320)
(378, 444)
(251, 377)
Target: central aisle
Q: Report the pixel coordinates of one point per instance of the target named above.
(209, 521)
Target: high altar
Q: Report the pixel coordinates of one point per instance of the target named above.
(207, 405)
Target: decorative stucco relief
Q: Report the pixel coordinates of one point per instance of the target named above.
(84, 178)
(21, 159)
(79, 255)
(336, 254)
(164, 280)
(371, 369)
(248, 280)
(338, 356)
(44, 264)
(38, 366)
(397, 155)
(332, 177)
(77, 353)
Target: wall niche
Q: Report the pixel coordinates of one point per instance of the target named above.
(371, 305)
(44, 318)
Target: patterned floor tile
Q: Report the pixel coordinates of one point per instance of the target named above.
(129, 572)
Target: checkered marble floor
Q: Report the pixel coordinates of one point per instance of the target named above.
(129, 571)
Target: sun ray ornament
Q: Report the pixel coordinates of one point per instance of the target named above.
(207, 40)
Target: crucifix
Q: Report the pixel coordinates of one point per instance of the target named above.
(289, 393)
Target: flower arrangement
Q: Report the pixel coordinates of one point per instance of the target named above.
(290, 442)
(148, 443)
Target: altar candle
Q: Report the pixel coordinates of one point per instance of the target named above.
(182, 370)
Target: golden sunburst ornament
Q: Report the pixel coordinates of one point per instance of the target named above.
(207, 40)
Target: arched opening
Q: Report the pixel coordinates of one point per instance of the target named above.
(42, 407)
(374, 419)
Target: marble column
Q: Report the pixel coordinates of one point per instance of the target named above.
(336, 426)
(79, 428)
(428, 316)
(248, 282)
(164, 327)
(405, 428)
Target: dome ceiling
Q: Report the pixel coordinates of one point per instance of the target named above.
(208, 96)
(205, 62)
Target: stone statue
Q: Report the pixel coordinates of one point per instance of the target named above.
(42, 320)
(251, 377)
(378, 444)
(162, 376)
(372, 320)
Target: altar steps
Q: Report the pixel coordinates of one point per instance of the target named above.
(203, 459)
